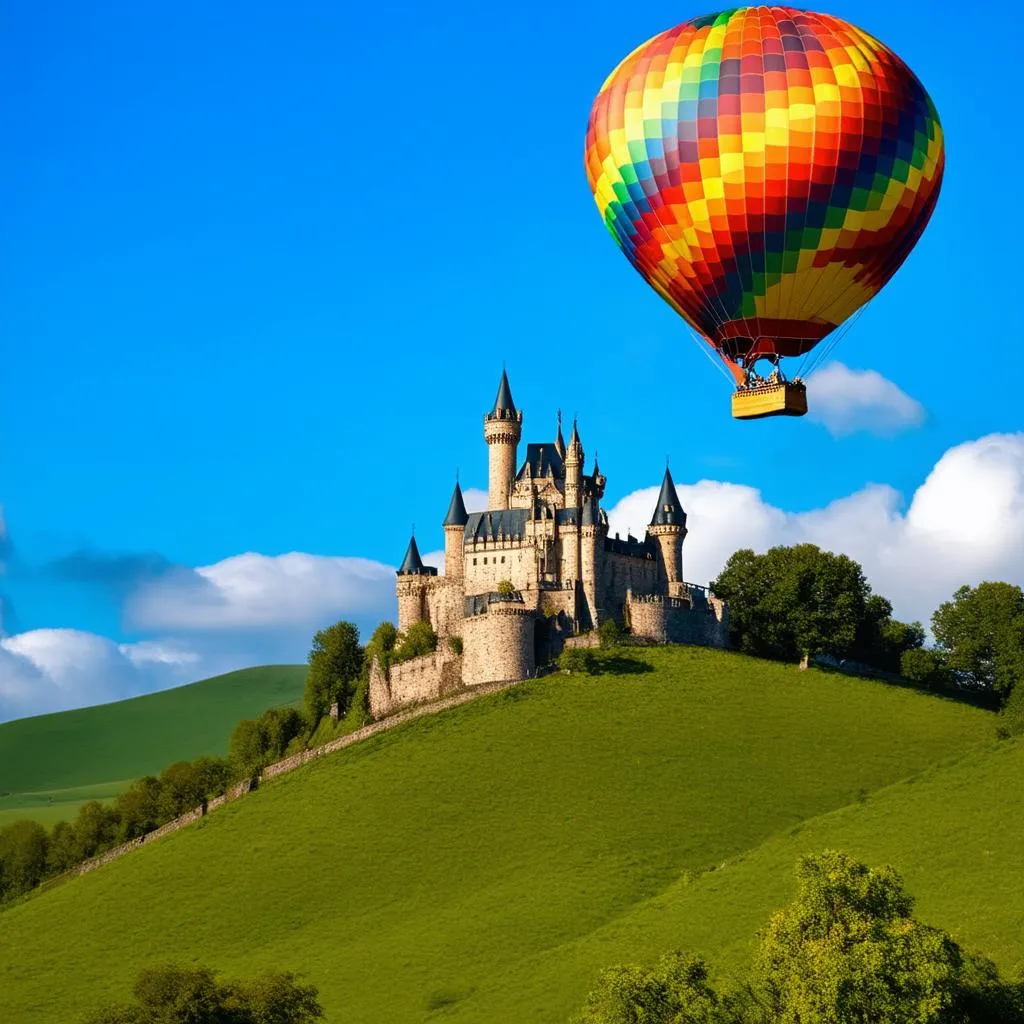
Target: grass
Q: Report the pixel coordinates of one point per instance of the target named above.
(481, 865)
(51, 764)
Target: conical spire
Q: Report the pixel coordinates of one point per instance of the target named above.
(504, 407)
(456, 509)
(412, 563)
(559, 440)
(669, 511)
(575, 449)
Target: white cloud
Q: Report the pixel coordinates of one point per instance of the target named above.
(475, 499)
(253, 591)
(965, 523)
(54, 669)
(846, 401)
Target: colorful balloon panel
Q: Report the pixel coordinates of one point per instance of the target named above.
(766, 170)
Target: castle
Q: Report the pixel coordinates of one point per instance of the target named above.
(537, 570)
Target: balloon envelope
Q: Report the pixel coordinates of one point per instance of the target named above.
(766, 170)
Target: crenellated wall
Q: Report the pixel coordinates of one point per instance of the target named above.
(672, 620)
(499, 644)
(444, 601)
(411, 682)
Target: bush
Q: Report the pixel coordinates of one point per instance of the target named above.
(577, 659)
(505, 588)
(139, 809)
(335, 663)
(610, 633)
(925, 668)
(381, 645)
(418, 639)
(23, 848)
(171, 994)
(455, 644)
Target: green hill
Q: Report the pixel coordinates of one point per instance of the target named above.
(480, 865)
(51, 764)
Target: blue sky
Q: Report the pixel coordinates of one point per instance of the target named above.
(264, 262)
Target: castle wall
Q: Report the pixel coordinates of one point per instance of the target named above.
(414, 681)
(444, 600)
(671, 620)
(486, 565)
(410, 601)
(498, 645)
(621, 574)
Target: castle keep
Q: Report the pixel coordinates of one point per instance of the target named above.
(537, 570)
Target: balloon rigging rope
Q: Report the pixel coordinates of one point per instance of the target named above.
(703, 346)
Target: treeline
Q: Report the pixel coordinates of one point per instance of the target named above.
(801, 602)
(846, 950)
(339, 668)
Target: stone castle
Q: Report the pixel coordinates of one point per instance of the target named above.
(537, 570)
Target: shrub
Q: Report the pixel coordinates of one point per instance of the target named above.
(139, 809)
(381, 645)
(335, 663)
(577, 659)
(505, 588)
(455, 644)
(610, 633)
(22, 857)
(418, 639)
(925, 668)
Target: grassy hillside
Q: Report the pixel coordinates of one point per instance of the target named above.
(51, 764)
(480, 865)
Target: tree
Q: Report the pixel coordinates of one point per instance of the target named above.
(279, 726)
(417, 640)
(181, 790)
(981, 634)
(925, 667)
(139, 808)
(794, 601)
(62, 850)
(675, 991)
(847, 950)
(334, 665)
(172, 994)
(96, 829)
(380, 646)
(22, 857)
(246, 753)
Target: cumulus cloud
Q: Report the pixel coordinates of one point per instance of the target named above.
(253, 591)
(964, 524)
(475, 499)
(53, 669)
(846, 400)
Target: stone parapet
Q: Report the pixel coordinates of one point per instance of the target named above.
(415, 681)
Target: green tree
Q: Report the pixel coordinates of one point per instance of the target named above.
(96, 829)
(279, 726)
(925, 667)
(181, 790)
(63, 849)
(173, 994)
(417, 640)
(981, 633)
(675, 991)
(847, 951)
(22, 857)
(335, 662)
(139, 808)
(246, 749)
(796, 601)
(506, 588)
(380, 646)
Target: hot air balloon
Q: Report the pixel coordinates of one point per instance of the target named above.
(766, 170)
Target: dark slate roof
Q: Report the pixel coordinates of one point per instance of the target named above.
(566, 516)
(669, 511)
(559, 440)
(631, 547)
(543, 460)
(503, 401)
(412, 564)
(504, 522)
(456, 509)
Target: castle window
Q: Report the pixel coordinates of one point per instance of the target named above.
(474, 561)
(503, 558)
(485, 560)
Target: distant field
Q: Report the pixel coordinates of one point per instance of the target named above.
(51, 764)
(481, 865)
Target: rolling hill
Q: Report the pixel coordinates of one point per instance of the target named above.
(480, 865)
(51, 764)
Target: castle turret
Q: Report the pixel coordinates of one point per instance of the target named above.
(503, 426)
(559, 440)
(574, 470)
(592, 532)
(411, 587)
(454, 534)
(668, 527)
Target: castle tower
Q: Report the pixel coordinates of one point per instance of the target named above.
(454, 530)
(411, 587)
(574, 470)
(503, 426)
(668, 527)
(591, 547)
(559, 440)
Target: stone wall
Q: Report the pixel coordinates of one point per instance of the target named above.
(621, 575)
(444, 598)
(672, 620)
(414, 681)
(498, 645)
(485, 565)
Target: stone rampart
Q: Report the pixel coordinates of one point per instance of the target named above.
(674, 621)
(414, 681)
(499, 644)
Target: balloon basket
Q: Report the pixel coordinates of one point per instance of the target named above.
(786, 398)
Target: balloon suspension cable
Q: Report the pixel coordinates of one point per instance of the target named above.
(814, 360)
(705, 348)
